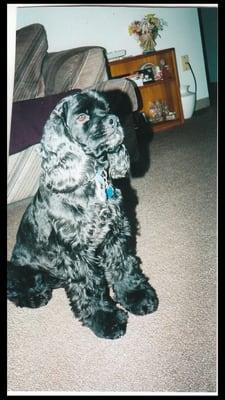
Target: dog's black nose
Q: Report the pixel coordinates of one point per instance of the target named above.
(113, 120)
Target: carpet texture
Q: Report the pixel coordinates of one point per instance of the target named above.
(172, 350)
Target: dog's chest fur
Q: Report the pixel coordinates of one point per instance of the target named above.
(87, 215)
(86, 225)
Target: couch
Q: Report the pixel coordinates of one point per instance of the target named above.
(41, 80)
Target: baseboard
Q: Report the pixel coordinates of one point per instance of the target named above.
(202, 103)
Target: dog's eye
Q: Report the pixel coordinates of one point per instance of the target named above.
(83, 118)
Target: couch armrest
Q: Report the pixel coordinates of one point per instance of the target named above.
(74, 69)
(121, 93)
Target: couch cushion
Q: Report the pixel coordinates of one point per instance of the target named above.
(23, 174)
(75, 68)
(28, 120)
(31, 48)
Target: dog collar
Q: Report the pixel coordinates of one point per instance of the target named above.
(105, 189)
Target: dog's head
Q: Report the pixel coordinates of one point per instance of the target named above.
(92, 125)
(85, 118)
(81, 127)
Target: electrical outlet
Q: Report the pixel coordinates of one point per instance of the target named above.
(184, 61)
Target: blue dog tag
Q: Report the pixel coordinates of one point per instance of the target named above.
(104, 189)
(109, 192)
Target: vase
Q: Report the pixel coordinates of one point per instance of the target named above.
(147, 43)
(188, 99)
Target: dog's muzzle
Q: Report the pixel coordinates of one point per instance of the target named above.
(113, 131)
(112, 123)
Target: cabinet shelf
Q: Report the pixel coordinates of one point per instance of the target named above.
(165, 125)
(157, 82)
(164, 90)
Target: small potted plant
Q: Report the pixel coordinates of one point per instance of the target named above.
(146, 31)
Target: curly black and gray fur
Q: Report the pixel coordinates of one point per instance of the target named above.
(75, 233)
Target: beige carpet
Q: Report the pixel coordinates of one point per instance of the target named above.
(172, 350)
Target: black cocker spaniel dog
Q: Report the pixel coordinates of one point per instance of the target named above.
(75, 233)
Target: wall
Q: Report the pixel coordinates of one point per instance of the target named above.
(209, 20)
(73, 26)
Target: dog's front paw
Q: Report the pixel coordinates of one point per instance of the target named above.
(110, 324)
(29, 298)
(26, 287)
(141, 301)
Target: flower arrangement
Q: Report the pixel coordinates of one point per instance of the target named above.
(147, 30)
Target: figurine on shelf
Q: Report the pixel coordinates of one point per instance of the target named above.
(171, 115)
(165, 109)
(152, 112)
(155, 111)
(165, 71)
(158, 73)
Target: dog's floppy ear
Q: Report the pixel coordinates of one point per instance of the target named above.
(119, 163)
(60, 112)
(55, 128)
(63, 159)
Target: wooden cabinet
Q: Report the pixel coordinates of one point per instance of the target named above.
(163, 90)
